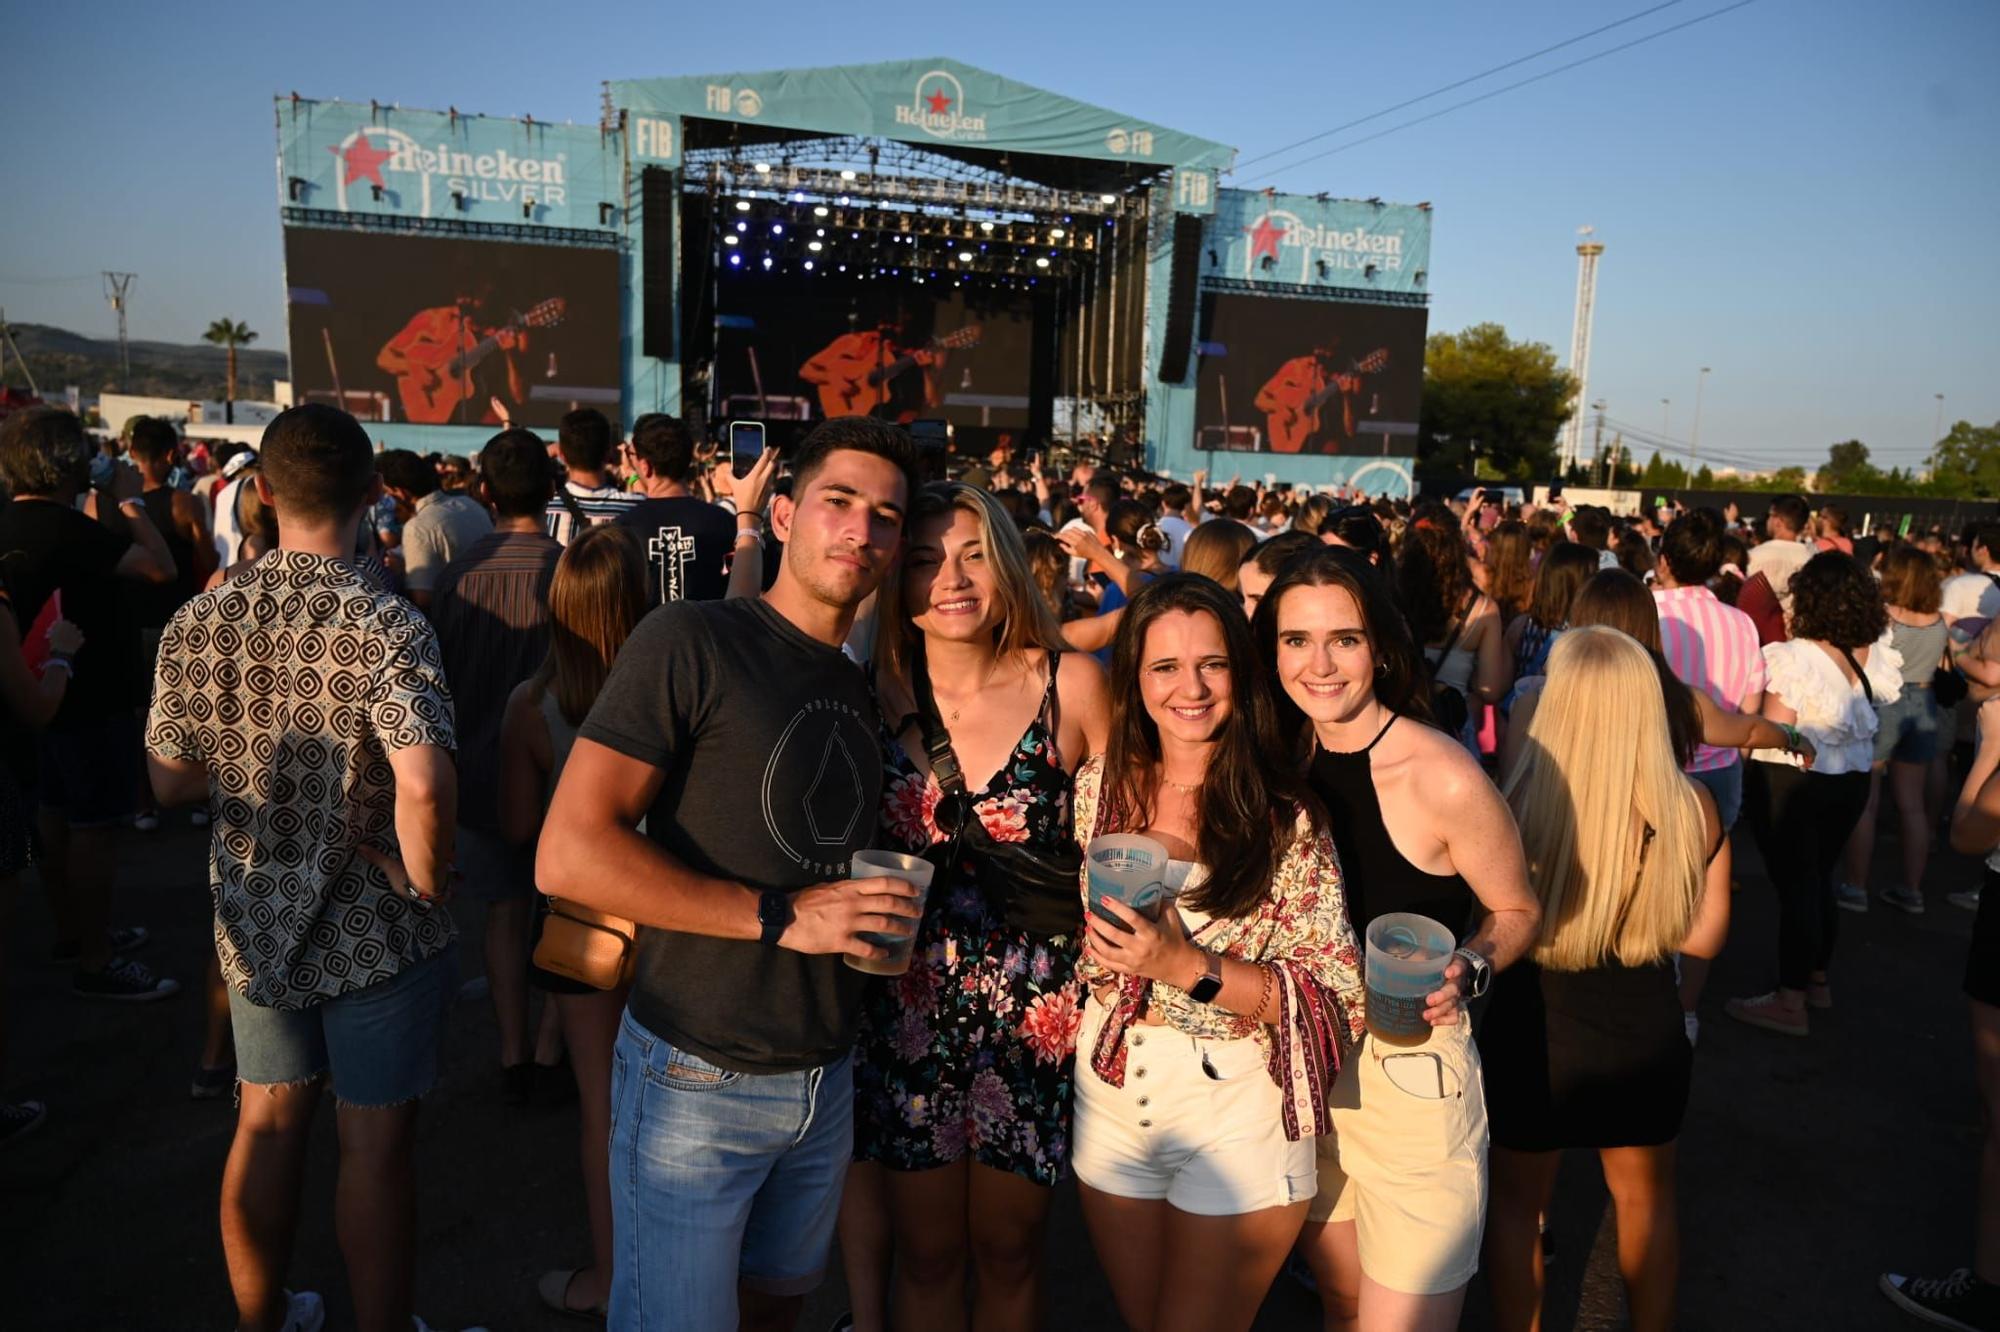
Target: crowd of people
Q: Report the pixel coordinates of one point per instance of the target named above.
(644, 708)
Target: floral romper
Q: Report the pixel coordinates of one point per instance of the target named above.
(971, 1051)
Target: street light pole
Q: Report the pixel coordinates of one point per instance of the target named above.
(1937, 429)
(1664, 404)
(1694, 440)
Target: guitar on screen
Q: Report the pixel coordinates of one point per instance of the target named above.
(1292, 416)
(442, 379)
(853, 378)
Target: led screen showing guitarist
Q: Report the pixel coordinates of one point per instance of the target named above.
(1295, 399)
(452, 362)
(856, 374)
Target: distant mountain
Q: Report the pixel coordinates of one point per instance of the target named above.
(59, 357)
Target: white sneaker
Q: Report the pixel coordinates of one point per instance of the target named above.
(304, 1311)
(1969, 899)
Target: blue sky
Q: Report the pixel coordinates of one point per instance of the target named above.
(1803, 195)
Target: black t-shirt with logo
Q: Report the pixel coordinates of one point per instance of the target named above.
(773, 779)
(687, 543)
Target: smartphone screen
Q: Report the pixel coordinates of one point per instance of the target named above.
(746, 446)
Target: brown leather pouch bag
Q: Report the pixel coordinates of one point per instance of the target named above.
(590, 947)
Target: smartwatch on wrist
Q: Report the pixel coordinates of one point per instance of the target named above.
(774, 913)
(1203, 991)
(1482, 971)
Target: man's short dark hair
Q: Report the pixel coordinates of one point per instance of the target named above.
(1239, 503)
(318, 462)
(1105, 487)
(584, 439)
(150, 439)
(406, 471)
(1176, 497)
(1591, 526)
(1987, 535)
(43, 451)
(857, 434)
(514, 468)
(1792, 509)
(1692, 548)
(664, 445)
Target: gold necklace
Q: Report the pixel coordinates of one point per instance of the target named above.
(1182, 787)
(977, 689)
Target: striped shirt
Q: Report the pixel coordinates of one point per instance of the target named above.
(598, 507)
(1713, 648)
(492, 620)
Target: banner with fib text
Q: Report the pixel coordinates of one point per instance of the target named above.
(935, 101)
(383, 161)
(1305, 241)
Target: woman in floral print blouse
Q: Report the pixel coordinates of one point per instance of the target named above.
(1195, 1118)
(963, 1065)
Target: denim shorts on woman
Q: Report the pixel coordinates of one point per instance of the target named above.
(1908, 730)
(380, 1042)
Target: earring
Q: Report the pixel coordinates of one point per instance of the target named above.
(1381, 668)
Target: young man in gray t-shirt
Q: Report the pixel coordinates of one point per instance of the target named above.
(748, 742)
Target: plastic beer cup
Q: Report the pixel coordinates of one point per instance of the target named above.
(1130, 869)
(1407, 955)
(894, 865)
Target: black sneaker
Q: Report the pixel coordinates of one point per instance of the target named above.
(124, 939)
(212, 1084)
(1960, 1300)
(20, 1118)
(124, 981)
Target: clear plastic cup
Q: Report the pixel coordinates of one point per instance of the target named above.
(894, 865)
(1131, 869)
(1407, 955)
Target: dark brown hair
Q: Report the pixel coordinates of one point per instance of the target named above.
(1401, 680)
(1432, 576)
(1247, 802)
(1565, 569)
(1510, 568)
(1836, 601)
(1217, 550)
(1617, 600)
(319, 462)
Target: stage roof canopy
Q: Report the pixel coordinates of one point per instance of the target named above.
(939, 104)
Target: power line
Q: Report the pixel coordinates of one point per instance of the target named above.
(1452, 87)
(1536, 78)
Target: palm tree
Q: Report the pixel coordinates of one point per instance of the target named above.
(229, 334)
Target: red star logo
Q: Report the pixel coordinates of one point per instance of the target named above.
(363, 160)
(939, 102)
(1264, 238)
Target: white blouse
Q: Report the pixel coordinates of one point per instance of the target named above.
(1834, 713)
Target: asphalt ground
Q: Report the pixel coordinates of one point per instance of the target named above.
(1806, 1166)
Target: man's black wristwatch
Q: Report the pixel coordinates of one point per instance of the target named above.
(774, 913)
(1481, 969)
(1204, 990)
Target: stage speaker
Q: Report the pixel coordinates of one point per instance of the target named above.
(1179, 341)
(657, 200)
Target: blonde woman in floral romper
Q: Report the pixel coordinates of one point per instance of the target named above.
(963, 1066)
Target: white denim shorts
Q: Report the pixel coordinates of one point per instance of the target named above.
(1198, 1122)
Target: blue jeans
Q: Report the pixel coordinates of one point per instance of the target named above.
(1726, 785)
(718, 1177)
(381, 1043)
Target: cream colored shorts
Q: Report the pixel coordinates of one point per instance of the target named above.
(1407, 1160)
(1197, 1123)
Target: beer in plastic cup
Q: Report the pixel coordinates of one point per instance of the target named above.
(1407, 955)
(894, 865)
(1130, 868)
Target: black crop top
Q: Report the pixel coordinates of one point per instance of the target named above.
(1379, 879)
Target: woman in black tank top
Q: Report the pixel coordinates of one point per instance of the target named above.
(1419, 828)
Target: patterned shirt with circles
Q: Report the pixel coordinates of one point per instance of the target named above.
(293, 683)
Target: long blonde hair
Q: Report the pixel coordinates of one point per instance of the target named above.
(1599, 755)
(1026, 618)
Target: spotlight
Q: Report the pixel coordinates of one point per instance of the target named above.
(965, 256)
(742, 205)
(736, 260)
(777, 228)
(986, 226)
(1421, 275)
(458, 199)
(528, 209)
(1107, 198)
(819, 210)
(729, 240)
(1213, 259)
(1041, 261)
(295, 186)
(767, 263)
(847, 175)
(1057, 233)
(814, 246)
(819, 231)
(1321, 265)
(809, 265)
(743, 226)
(798, 196)
(376, 191)
(843, 268)
(842, 201)
(763, 168)
(604, 213)
(1267, 263)
(1368, 271)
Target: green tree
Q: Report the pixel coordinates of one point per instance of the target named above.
(1848, 471)
(1703, 479)
(1966, 463)
(229, 334)
(1492, 406)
